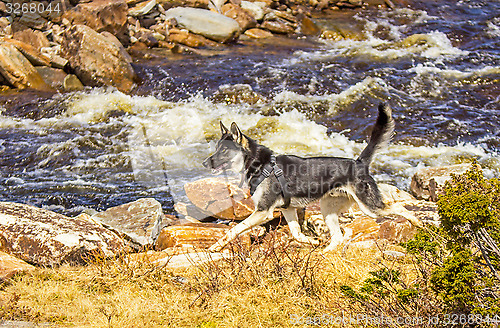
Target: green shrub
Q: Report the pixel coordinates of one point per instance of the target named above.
(458, 263)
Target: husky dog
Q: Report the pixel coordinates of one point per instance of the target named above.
(291, 182)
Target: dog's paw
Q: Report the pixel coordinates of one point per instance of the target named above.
(332, 247)
(307, 240)
(215, 248)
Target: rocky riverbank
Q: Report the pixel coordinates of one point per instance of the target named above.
(65, 45)
(33, 236)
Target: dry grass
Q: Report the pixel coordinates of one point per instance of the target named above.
(262, 286)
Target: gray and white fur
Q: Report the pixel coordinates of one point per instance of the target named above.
(337, 182)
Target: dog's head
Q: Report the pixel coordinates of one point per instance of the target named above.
(230, 152)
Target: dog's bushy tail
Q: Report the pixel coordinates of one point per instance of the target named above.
(381, 134)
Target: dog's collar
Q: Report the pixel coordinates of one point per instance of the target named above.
(266, 172)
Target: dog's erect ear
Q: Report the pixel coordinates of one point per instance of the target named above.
(236, 132)
(238, 136)
(223, 128)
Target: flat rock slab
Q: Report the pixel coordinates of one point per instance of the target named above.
(46, 238)
(140, 221)
(10, 265)
(210, 24)
(178, 261)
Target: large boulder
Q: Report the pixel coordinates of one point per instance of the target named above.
(210, 24)
(428, 182)
(220, 198)
(101, 15)
(139, 222)
(45, 238)
(10, 265)
(17, 70)
(97, 59)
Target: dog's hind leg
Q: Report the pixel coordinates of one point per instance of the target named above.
(255, 219)
(293, 223)
(331, 208)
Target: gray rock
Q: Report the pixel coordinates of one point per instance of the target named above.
(210, 24)
(52, 76)
(72, 83)
(139, 222)
(17, 70)
(428, 183)
(257, 9)
(96, 60)
(33, 19)
(46, 238)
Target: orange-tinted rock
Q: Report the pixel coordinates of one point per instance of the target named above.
(52, 76)
(363, 228)
(196, 235)
(31, 53)
(189, 39)
(17, 70)
(308, 27)
(34, 38)
(240, 15)
(397, 231)
(10, 265)
(100, 15)
(96, 59)
(258, 33)
(220, 198)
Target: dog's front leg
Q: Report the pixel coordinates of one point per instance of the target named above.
(255, 219)
(293, 223)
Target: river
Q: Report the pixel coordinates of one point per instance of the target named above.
(437, 65)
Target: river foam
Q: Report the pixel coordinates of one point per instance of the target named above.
(171, 139)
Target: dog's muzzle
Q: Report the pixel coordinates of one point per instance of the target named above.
(208, 163)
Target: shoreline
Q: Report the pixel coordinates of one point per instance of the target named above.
(96, 43)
